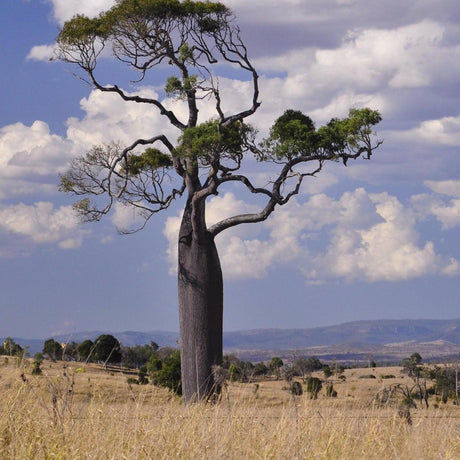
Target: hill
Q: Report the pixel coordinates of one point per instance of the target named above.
(387, 339)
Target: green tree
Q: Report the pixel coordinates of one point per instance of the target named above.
(327, 371)
(52, 349)
(260, 369)
(275, 365)
(70, 350)
(196, 39)
(11, 348)
(107, 349)
(411, 365)
(137, 355)
(85, 350)
(169, 373)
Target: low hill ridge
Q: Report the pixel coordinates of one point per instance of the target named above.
(366, 335)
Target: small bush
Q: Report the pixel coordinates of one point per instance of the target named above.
(388, 376)
(314, 386)
(132, 381)
(367, 376)
(296, 389)
(330, 392)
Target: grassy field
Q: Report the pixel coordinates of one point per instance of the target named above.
(87, 413)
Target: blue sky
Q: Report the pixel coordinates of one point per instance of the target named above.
(378, 239)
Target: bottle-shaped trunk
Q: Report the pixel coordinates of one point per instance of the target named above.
(200, 311)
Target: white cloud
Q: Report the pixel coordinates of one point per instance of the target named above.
(446, 187)
(444, 131)
(42, 53)
(64, 10)
(447, 212)
(31, 157)
(41, 223)
(386, 251)
(126, 218)
(368, 68)
(361, 236)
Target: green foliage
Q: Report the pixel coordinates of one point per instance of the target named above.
(154, 364)
(445, 382)
(234, 373)
(313, 386)
(296, 389)
(81, 206)
(37, 362)
(85, 350)
(307, 365)
(294, 135)
(411, 366)
(209, 140)
(52, 349)
(70, 350)
(142, 376)
(275, 365)
(81, 29)
(138, 355)
(150, 159)
(177, 88)
(107, 349)
(169, 373)
(136, 14)
(11, 348)
(327, 371)
(260, 369)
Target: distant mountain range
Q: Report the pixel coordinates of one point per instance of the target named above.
(384, 338)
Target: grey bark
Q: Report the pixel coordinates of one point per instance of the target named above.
(200, 290)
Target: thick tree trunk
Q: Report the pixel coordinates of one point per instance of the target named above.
(200, 310)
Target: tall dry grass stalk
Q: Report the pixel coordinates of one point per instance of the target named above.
(90, 414)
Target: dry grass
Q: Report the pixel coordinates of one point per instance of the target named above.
(87, 413)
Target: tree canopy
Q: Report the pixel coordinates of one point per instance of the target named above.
(192, 42)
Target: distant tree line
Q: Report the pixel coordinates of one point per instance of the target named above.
(161, 366)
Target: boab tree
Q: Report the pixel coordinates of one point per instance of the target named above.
(193, 40)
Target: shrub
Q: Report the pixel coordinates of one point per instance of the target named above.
(38, 359)
(296, 389)
(142, 375)
(313, 386)
(234, 372)
(169, 375)
(330, 392)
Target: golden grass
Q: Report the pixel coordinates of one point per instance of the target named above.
(88, 413)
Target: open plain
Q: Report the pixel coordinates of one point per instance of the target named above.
(73, 412)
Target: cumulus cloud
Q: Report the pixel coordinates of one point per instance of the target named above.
(42, 223)
(444, 131)
(360, 236)
(64, 10)
(30, 159)
(445, 187)
(371, 67)
(41, 53)
(440, 204)
(387, 250)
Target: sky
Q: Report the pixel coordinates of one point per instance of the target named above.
(376, 240)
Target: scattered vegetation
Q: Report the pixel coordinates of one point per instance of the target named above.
(77, 410)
